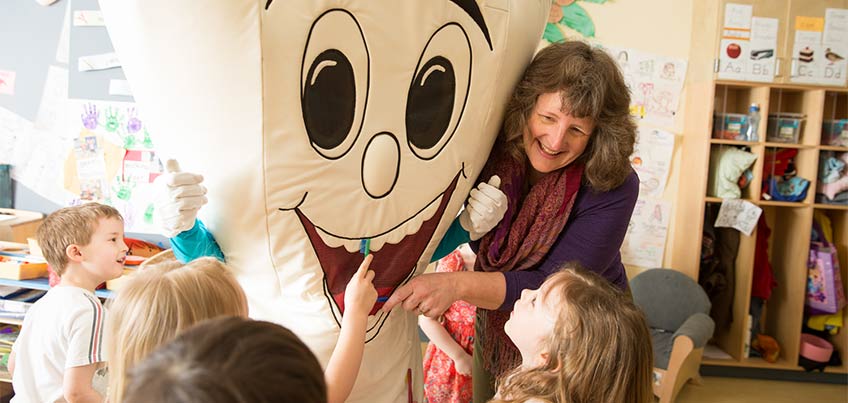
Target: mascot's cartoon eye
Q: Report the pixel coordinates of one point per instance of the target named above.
(334, 83)
(329, 99)
(430, 103)
(438, 92)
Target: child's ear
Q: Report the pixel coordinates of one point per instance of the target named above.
(544, 357)
(74, 253)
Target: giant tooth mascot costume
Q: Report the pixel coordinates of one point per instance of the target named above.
(318, 123)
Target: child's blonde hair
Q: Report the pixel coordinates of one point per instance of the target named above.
(599, 351)
(70, 226)
(161, 301)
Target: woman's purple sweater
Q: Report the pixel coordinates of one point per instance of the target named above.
(592, 237)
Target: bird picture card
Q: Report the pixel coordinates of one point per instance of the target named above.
(820, 48)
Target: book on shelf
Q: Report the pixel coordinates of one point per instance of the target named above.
(16, 304)
(27, 295)
(7, 290)
(8, 335)
(12, 315)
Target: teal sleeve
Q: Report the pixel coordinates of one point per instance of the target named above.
(194, 243)
(455, 236)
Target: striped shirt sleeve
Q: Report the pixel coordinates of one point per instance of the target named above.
(85, 342)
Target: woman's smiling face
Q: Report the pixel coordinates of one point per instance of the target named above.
(553, 138)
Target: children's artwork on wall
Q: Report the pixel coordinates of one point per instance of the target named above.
(644, 242)
(113, 160)
(36, 149)
(655, 84)
(567, 16)
(651, 159)
(36, 160)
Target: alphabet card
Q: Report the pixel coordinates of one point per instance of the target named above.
(748, 49)
(820, 48)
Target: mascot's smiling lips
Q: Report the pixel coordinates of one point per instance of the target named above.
(393, 263)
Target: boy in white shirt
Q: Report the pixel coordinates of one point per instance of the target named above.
(61, 342)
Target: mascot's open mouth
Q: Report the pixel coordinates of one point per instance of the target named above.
(396, 251)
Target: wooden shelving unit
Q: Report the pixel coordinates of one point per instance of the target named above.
(43, 284)
(790, 222)
(35, 284)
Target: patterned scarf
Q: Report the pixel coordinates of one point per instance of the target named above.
(521, 241)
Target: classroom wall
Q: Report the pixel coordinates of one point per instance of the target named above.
(30, 48)
(30, 40)
(662, 27)
(656, 26)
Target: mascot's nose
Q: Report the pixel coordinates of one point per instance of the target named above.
(380, 165)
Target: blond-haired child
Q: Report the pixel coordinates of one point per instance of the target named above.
(61, 342)
(161, 301)
(581, 340)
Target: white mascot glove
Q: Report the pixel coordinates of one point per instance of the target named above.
(486, 207)
(179, 196)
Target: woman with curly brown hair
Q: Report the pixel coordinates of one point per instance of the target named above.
(563, 159)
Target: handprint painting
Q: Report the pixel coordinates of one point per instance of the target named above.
(317, 124)
(112, 161)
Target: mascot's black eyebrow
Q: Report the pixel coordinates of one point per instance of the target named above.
(469, 6)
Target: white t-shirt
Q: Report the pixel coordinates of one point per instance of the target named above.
(63, 329)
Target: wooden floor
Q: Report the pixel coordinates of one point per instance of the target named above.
(744, 390)
(739, 390)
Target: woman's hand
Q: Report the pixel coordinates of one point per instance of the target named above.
(179, 195)
(486, 207)
(428, 294)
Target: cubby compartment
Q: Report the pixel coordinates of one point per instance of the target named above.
(783, 311)
(794, 116)
(728, 163)
(834, 132)
(731, 114)
(832, 178)
(788, 175)
(839, 224)
(725, 274)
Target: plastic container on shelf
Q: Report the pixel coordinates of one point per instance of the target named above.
(730, 126)
(835, 132)
(784, 127)
(753, 123)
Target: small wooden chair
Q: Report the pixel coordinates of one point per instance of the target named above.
(677, 310)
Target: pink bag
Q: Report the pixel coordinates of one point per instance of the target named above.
(824, 282)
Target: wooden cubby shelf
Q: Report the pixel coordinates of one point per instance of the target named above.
(790, 223)
(734, 142)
